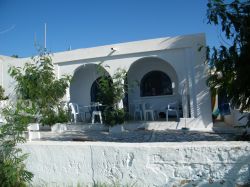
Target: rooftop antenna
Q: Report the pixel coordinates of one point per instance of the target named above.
(35, 42)
(35, 39)
(45, 30)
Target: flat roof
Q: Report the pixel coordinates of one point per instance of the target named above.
(165, 43)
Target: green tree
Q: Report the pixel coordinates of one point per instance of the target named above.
(38, 95)
(37, 84)
(15, 56)
(230, 63)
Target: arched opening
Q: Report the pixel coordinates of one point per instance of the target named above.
(125, 99)
(95, 91)
(155, 83)
(82, 82)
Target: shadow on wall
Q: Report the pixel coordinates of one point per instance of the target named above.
(236, 176)
(198, 82)
(203, 97)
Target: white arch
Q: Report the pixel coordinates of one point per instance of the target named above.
(147, 64)
(82, 80)
(143, 66)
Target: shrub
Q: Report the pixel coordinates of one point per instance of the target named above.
(53, 117)
(114, 116)
(13, 171)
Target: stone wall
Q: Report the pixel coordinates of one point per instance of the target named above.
(139, 164)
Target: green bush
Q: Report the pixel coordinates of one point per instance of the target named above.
(114, 116)
(53, 117)
(13, 172)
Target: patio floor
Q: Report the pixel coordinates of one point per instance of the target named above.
(88, 133)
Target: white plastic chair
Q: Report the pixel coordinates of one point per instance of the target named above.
(137, 110)
(173, 107)
(75, 111)
(33, 131)
(148, 111)
(96, 112)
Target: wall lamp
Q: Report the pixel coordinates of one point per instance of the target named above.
(113, 49)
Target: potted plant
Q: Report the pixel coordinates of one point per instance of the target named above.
(114, 118)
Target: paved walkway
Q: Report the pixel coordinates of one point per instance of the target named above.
(137, 136)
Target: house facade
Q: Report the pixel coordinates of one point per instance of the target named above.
(161, 71)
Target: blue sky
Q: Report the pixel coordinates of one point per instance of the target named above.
(89, 23)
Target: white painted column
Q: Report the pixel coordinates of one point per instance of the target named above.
(184, 95)
(189, 54)
(120, 104)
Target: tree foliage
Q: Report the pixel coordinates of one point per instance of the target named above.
(112, 88)
(2, 97)
(13, 171)
(111, 94)
(38, 84)
(230, 64)
(38, 96)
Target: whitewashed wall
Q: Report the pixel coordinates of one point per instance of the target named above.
(178, 57)
(5, 79)
(179, 53)
(142, 164)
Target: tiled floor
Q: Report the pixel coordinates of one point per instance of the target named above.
(137, 136)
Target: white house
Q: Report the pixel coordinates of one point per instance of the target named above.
(167, 69)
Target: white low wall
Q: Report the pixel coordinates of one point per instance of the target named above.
(142, 164)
